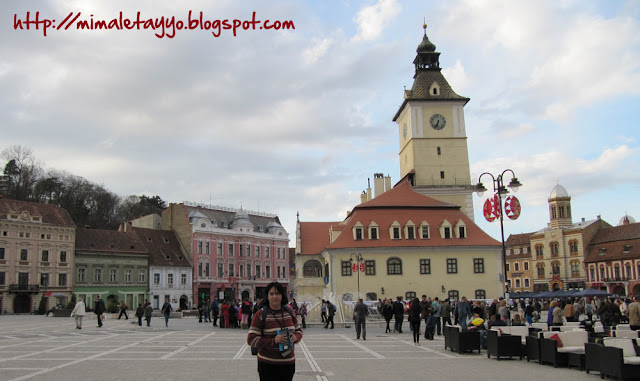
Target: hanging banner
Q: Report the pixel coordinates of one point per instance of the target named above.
(488, 210)
(512, 207)
(496, 206)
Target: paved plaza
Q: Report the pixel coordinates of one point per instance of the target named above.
(40, 348)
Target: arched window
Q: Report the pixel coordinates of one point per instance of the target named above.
(539, 251)
(312, 269)
(627, 268)
(371, 296)
(555, 268)
(575, 268)
(616, 271)
(394, 266)
(554, 247)
(481, 294)
(540, 267)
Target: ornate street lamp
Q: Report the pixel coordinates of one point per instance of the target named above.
(493, 209)
(356, 267)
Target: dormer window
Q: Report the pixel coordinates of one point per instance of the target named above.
(447, 232)
(358, 231)
(626, 249)
(603, 251)
(373, 231)
(410, 230)
(461, 229)
(424, 230)
(394, 230)
(434, 90)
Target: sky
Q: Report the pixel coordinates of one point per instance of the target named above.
(287, 121)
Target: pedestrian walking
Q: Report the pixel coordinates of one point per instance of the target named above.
(140, 313)
(78, 312)
(445, 312)
(323, 311)
(147, 314)
(275, 336)
(99, 310)
(398, 313)
(215, 310)
(415, 313)
(123, 310)
(331, 311)
(303, 315)
(463, 309)
(166, 311)
(360, 312)
(387, 312)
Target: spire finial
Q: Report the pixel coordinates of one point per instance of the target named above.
(424, 26)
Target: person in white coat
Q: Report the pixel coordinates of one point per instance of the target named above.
(79, 312)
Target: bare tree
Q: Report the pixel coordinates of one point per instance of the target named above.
(23, 171)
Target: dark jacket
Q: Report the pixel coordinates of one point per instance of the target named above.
(398, 308)
(415, 312)
(166, 308)
(140, 312)
(99, 307)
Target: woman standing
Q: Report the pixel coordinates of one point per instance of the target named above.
(79, 312)
(275, 335)
(414, 318)
(225, 315)
(387, 312)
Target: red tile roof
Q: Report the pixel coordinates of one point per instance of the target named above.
(163, 246)
(401, 204)
(614, 240)
(110, 241)
(314, 236)
(50, 214)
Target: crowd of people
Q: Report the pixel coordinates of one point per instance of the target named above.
(435, 313)
(238, 314)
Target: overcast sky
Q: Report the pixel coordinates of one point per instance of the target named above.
(297, 120)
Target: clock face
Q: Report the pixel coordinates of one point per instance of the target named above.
(437, 121)
(404, 130)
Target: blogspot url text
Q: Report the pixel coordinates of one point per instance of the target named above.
(162, 26)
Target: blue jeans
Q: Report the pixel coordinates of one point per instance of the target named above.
(166, 319)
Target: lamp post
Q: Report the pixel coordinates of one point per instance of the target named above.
(499, 190)
(358, 258)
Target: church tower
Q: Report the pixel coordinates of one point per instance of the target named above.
(433, 139)
(559, 207)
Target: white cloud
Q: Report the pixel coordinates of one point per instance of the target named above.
(457, 77)
(518, 131)
(317, 51)
(372, 19)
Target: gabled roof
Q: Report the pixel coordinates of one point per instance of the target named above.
(613, 240)
(314, 236)
(518, 240)
(163, 246)
(420, 90)
(402, 204)
(51, 214)
(109, 241)
(402, 195)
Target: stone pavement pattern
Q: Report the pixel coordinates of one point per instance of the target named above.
(39, 348)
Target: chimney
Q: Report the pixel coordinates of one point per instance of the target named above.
(583, 219)
(363, 197)
(387, 183)
(369, 189)
(378, 184)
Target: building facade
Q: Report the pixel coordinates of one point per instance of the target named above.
(170, 271)
(519, 264)
(111, 264)
(558, 251)
(235, 253)
(433, 140)
(613, 259)
(36, 256)
(400, 243)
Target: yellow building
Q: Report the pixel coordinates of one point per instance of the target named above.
(400, 243)
(519, 267)
(433, 139)
(560, 247)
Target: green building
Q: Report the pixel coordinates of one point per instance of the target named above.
(113, 265)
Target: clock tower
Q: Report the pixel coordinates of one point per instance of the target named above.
(433, 139)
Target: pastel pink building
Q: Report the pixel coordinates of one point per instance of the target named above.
(235, 253)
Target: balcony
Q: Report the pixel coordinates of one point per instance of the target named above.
(617, 279)
(24, 288)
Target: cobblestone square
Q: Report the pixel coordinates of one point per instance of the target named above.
(39, 348)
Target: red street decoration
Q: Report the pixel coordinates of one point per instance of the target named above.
(363, 267)
(512, 207)
(496, 206)
(354, 267)
(488, 210)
